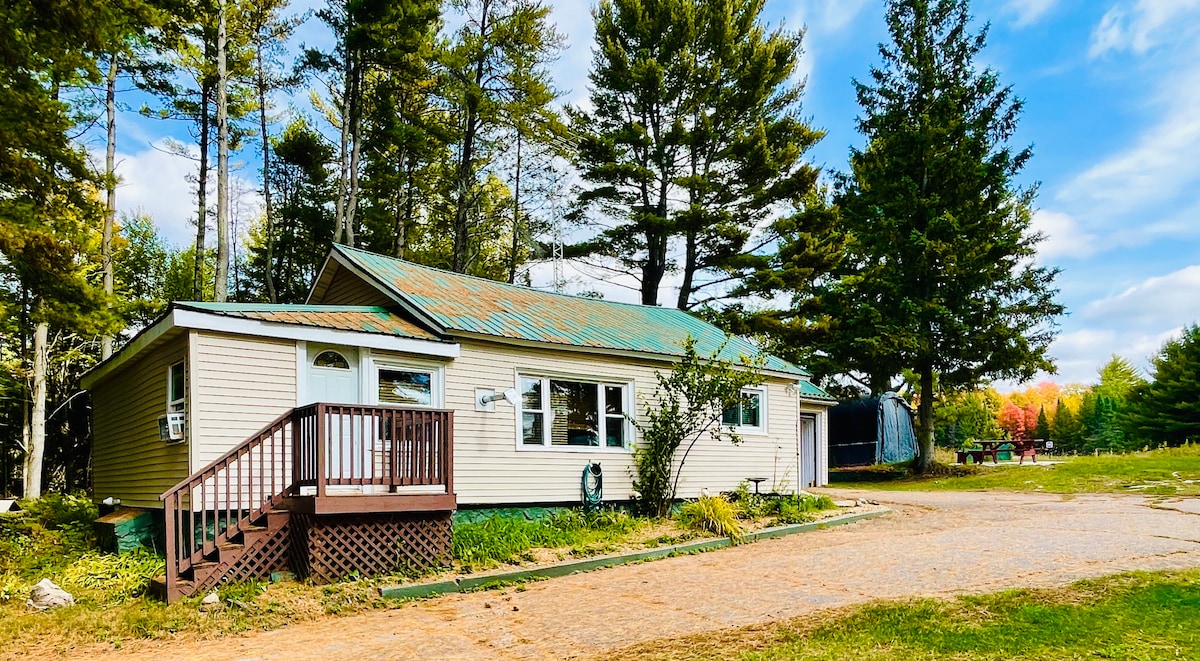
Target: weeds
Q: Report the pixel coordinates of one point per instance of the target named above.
(713, 514)
(509, 540)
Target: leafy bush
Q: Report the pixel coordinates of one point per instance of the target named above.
(112, 578)
(46, 535)
(800, 508)
(712, 514)
(687, 405)
(12, 587)
(751, 505)
(54, 510)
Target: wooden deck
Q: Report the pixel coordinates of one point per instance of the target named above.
(348, 468)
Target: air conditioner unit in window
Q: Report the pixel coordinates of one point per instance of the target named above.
(171, 427)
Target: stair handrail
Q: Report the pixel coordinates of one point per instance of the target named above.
(179, 560)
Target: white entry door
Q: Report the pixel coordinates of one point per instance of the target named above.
(333, 378)
(808, 451)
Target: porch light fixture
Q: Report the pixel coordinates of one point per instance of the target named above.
(485, 399)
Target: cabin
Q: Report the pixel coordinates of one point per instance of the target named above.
(340, 435)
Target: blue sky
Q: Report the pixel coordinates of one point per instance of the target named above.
(1112, 94)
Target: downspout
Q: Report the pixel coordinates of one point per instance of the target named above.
(799, 469)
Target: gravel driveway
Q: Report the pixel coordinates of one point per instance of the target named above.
(933, 544)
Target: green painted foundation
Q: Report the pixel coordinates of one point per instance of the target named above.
(499, 579)
(130, 528)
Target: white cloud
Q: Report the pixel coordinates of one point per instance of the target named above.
(1168, 301)
(1064, 236)
(160, 184)
(155, 183)
(1027, 12)
(1139, 26)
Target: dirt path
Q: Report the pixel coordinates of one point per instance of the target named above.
(934, 544)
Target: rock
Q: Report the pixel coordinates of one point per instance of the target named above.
(211, 599)
(46, 595)
(846, 503)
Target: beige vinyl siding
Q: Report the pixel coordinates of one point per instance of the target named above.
(489, 467)
(241, 384)
(129, 461)
(345, 288)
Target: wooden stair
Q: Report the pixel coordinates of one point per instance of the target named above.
(233, 519)
(260, 549)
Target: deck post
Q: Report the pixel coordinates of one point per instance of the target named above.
(448, 452)
(320, 440)
(171, 576)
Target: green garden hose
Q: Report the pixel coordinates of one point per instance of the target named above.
(592, 485)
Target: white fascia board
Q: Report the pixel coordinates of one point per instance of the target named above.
(405, 304)
(221, 324)
(142, 340)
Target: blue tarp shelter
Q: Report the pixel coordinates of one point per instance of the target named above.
(871, 430)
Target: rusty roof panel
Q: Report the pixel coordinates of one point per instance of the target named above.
(359, 319)
(465, 303)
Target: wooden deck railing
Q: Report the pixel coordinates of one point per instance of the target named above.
(303, 452)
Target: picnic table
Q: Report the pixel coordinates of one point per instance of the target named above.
(1023, 448)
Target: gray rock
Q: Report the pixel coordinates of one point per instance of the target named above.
(211, 599)
(46, 595)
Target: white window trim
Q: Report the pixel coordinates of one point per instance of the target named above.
(437, 373)
(761, 428)
(627, 406)
(181, 401)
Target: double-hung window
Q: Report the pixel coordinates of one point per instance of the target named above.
(176, 390)
(570, 413)
(748, 414)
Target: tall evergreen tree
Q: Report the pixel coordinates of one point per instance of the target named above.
(497, 76)
(940, 274)
(694, 139)
(1168, 409)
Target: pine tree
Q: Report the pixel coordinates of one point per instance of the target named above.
(1167, 410)
(694, 137)
(1042, 429)
(940, 275)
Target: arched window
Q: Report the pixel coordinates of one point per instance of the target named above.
(332, 360)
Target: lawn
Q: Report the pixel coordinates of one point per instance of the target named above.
(53, 538)
(1169, 471)
(1140, 616)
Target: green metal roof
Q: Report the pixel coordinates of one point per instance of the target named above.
(809, 390)
(467, 304)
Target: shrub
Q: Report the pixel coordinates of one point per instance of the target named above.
(13, 588)
(800, 508)
(712, 514)
(112, 578)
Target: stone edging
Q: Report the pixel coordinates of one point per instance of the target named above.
(498, 579)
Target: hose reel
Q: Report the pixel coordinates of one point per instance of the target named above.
(592, 486)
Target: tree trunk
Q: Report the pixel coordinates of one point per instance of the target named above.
(355, 152)
(110, 185)
(925, 421)
(466, 165)
(516, 228)
(202, 194)
(343, 184)
(36, 448)
(269, 220)
(689, 271)
(221, 286)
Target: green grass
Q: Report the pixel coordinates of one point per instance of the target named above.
(510, 540)
(1170, 471)
(1139, 616)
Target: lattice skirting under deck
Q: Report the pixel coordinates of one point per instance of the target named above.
(331, 547)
